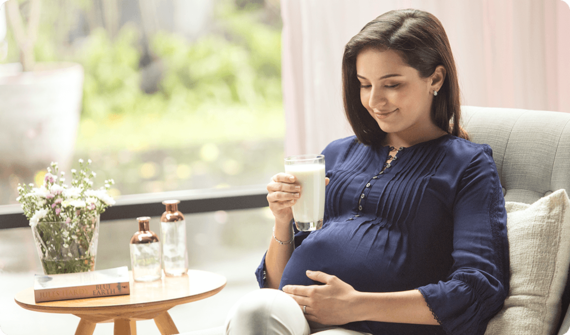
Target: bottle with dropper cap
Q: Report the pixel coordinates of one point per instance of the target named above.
(173, 234)
(145, 252)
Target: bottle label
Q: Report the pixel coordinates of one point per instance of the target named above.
(174, 253)
(145, 261)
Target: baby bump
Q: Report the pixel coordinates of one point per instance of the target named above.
(369, 257)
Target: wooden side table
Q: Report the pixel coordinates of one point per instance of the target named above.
(147, 301)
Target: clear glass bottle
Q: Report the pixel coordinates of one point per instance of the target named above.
(145, 252)
(173, 235)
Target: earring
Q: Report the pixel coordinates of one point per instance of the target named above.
(435, 93)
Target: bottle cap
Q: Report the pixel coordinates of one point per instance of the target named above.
(171, 205)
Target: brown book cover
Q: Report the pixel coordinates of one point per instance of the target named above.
(101, 283)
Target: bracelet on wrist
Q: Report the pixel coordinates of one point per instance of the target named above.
(284, 242)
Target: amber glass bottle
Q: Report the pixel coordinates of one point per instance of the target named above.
(145, 252)
(173, 236)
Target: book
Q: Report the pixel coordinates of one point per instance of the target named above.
(100, 283)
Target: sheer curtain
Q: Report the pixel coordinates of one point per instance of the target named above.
(509, 53)
(3, 43)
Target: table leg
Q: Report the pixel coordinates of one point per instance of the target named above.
(125, 327)
(165, 324)
(133, 327)
(85, 327)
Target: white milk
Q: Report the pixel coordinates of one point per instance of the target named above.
(310, 207)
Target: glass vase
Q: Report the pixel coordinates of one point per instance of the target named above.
(67, 247)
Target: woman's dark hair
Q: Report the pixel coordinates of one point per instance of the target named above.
(419, 38)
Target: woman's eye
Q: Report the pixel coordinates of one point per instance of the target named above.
(365, 86)
(392, 86)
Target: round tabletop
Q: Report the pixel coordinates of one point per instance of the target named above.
(160, 294)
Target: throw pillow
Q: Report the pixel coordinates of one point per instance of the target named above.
(539, 243)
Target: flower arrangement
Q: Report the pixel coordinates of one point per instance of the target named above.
(65, 219)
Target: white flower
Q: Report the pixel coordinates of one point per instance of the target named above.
(91, 193)
(65, 203)
(62, 173)
(55, 188)
(101, 195)
(65, 245)
(81, 161)
(77, 203)
(108, 200)
(72, 192)
(69, 254)
(65, 233)
(40, 192)
(93, 174)
(91, 200)
(89, 161)
(73, 170)
(38, 215)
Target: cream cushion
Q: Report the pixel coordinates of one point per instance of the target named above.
(539, 248)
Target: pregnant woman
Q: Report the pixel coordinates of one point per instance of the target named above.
(414, 235)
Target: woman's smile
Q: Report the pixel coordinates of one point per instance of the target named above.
(384, 114)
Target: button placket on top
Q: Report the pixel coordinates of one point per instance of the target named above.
(367, 188)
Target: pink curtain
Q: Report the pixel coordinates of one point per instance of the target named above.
(509, 53)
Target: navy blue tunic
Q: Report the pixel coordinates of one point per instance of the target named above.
(433, 220)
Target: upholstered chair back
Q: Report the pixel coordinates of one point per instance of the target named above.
(531, 148)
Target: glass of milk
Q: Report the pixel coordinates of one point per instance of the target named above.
(309, 209)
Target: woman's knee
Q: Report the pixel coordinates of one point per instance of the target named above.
(266, 311)
(254, 305)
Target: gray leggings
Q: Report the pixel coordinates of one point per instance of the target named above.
(273, 312)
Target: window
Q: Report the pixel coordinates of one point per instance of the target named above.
(177, 95)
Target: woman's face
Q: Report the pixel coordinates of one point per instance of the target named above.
(394, 93)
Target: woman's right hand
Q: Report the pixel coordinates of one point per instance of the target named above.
(284, 191)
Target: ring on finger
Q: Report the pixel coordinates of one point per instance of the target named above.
(304, 309)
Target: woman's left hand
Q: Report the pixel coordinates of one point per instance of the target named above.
(329, 304)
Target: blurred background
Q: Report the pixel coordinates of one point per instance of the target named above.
(176, 95)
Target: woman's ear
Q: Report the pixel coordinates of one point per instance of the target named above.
(437, 78)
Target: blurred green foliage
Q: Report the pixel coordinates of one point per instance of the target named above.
(241, 67)
(112, 77)
(223, 86)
